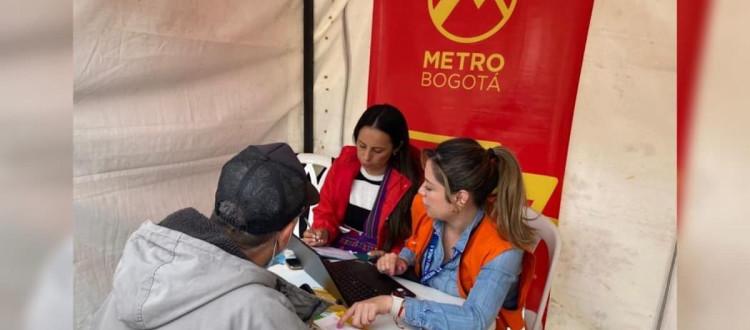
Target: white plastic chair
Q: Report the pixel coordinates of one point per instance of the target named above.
(546, 231)
(316, 168)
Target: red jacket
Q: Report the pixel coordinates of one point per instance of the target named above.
(334, 197)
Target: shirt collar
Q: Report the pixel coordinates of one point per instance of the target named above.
(461, 243)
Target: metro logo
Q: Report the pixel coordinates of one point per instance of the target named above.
(443, 11)
(499, 70)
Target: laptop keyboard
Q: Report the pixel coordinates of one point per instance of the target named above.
(349, 284)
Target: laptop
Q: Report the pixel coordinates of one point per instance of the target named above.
(349, 281)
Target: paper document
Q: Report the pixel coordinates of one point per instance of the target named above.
(332, 252)
(328, 321)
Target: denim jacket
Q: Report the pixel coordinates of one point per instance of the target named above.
(496, 286)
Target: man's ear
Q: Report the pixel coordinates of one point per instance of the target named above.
(286, 233)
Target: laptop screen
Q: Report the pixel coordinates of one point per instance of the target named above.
(313, 265)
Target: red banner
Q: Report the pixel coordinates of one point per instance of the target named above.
(503, 72)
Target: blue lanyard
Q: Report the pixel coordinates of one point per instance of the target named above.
(430, 253)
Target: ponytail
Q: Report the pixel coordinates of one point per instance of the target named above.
(494, 179)
(509, 207)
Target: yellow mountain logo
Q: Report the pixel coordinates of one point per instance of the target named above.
(442, 10)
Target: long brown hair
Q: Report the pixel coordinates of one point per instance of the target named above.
(391, 121)
(493, 177)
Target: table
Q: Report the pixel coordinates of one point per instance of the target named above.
(382, 322)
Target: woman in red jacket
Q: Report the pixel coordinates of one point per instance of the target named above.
(366, 198)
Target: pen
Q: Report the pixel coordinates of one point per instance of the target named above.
(309, 226)
(304, 218)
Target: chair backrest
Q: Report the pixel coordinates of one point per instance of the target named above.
(547, 232)
(316, 168)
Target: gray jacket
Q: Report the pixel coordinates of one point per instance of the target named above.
(167, 279)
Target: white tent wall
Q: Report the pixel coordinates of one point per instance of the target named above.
(165, 92)
(617, 216)
(342, 63)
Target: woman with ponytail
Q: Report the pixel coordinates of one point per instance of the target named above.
(469, 234)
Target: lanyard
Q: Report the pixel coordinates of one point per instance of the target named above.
(430, 253)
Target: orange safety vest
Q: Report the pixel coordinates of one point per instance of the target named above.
(484, 245)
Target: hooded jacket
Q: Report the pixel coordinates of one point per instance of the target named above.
(185, 274)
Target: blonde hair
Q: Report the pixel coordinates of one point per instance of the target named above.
(493, 177)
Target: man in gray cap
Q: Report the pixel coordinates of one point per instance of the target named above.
(193, 272)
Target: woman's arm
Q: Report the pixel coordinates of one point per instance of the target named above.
(479, 310)
(325, 212)
(408, 256)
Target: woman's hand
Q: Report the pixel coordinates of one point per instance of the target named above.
(363, 313)
(391, 264)
(375, 254)
(315, 237)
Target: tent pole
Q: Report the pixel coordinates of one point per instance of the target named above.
(308, 23)
(308, 63)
